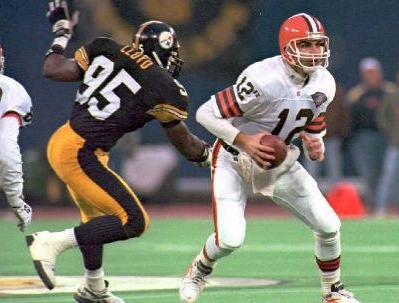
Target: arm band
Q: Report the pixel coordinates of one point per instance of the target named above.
(55, 49)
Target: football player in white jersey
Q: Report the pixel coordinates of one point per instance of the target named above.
(15, 112)
(286, 95)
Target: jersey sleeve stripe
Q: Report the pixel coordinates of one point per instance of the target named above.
(318, 125)
(82, 58)
(13, 114)
(166, 113)
(233, 102)
(227, 103)
(221, 105)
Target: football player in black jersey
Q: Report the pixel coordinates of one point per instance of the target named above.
(122, 88)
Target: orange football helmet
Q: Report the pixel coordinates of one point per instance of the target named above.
(298, 28)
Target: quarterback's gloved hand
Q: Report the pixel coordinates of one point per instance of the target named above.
(62, 25)
(23, 212)
(206, 159)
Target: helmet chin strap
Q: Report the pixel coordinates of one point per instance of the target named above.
(308, 70)
(168, 67)
(296, 74)
(154, 54)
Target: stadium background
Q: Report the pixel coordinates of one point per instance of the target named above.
(219, 38)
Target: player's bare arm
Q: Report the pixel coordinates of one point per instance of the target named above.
(261, 154)
(188, 144)
(56, 66)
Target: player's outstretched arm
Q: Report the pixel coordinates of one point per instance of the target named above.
(56, 66)
(11, 170)
(189, 145)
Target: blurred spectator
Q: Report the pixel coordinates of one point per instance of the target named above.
(125, 148)
(337, 121)
(388, 121)
(156, 163)
(367, 142)
(44, 187)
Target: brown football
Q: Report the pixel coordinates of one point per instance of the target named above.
(280, 148)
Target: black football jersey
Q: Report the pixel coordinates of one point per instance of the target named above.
(122, 90)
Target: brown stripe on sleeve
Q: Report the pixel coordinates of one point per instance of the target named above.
(13, 114)
(221, 103)
(227, 103)
(232, 102)
(318, 125)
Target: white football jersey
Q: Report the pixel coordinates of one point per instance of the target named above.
(267, 97)
(14, 98)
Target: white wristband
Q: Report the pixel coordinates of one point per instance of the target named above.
(15, 201)
(61, 41)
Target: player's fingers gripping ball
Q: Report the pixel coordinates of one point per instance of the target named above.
(279, 146)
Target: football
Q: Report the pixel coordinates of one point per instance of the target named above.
(280, 148)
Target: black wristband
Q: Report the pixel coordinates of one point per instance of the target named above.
(55, 49)
(204, 155)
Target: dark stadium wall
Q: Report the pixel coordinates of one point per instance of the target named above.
(219, 38)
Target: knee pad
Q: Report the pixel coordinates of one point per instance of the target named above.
(213, 251)
(221, 251)
(230, 244)
(231, 227)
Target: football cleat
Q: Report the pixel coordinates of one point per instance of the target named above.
(194, 281)
(85, 295)
(339, 294)
(43, 250)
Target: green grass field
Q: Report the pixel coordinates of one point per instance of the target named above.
(280, 249)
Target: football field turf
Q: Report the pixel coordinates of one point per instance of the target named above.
(275, 264)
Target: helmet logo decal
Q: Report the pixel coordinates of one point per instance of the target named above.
(166, 40)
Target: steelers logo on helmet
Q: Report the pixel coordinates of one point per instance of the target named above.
(166, 40)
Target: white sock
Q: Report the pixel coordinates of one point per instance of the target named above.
(328, 250)
(94, 279)
(211, 252)
(328, 278)
(65, 239)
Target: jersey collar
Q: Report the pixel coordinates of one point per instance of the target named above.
(296, 78)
